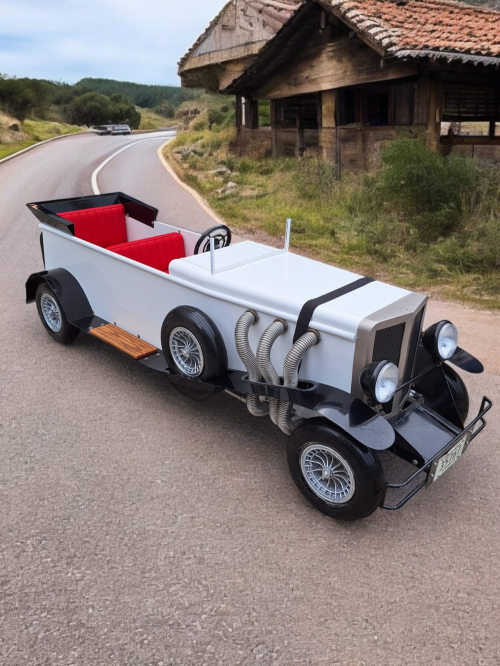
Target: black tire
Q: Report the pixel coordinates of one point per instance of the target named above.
(67, 333)
(365, 469)
(458, 391)
(213, 363)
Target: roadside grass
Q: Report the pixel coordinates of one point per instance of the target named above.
(30, 132)
(421, 221)
(152, 121)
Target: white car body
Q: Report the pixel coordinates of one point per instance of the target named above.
(136, 297)
(303, 342)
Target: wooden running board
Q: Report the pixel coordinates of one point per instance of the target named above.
(124, 341)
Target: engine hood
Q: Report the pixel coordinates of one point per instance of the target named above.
(256, 275)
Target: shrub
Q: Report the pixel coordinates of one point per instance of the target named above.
(95, 109)
(431, 189)
(315, 177)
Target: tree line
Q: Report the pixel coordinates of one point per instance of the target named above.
(88, 102)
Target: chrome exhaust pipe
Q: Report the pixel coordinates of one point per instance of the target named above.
(266, 368)
(291, 376)
(248, 319)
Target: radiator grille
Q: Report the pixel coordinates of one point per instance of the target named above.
(388, 343)
(412, 351)
(412, 348)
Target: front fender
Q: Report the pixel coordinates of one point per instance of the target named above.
(66, 287)
(359, 421)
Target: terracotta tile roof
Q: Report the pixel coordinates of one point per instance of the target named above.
(275, 14)
(423, 28)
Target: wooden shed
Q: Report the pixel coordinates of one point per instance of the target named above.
(345, 76)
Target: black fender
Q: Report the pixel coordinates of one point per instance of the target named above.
(67, 289)
(344, 410)
(436, 388)
(359, 421)
(465, 361)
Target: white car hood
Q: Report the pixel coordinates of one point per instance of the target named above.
(284, 282)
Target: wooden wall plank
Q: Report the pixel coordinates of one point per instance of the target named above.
(341, 62)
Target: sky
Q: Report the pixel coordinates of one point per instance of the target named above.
(66, 40)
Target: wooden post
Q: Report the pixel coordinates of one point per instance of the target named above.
(434, 113)
(328, 127)
(299, 145)
(492, 129)
(239, 113)
(274, 112)
(251, 113)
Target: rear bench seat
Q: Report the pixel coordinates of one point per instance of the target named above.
(105, 226)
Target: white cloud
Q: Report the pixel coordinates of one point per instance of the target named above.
(68, 39)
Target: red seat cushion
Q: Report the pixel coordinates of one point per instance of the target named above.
(103, 226)
(156, 252)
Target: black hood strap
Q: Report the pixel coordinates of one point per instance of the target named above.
(308, 308)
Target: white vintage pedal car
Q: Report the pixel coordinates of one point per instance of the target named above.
(338, 362)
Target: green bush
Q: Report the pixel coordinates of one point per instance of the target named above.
(95, 109)
(315, 177)
(432, 190)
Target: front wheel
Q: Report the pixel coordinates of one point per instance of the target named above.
(192, 344)
(341, 478)
(53, 317)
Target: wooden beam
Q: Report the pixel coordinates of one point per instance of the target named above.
(239, 113)
(434, 113)
(338, 63)
(328, 125)
(251, 113)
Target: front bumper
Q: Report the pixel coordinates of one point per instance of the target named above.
(430, 436)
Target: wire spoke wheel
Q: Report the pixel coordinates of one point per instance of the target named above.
(186, 352)
(327, 474)
(51, 312)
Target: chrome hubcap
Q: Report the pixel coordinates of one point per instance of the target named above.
(327, 474)
(51, 313)
(186, 352)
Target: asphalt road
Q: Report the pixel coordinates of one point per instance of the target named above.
(139, 528)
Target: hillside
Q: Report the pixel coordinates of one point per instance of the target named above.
(15, 135)
(145, 96)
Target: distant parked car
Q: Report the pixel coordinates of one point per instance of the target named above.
(121, 129)
(102, 130)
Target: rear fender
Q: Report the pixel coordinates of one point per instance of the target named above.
(67, 289)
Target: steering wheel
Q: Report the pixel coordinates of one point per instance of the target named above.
(221, 235)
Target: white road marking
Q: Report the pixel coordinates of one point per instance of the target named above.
(95, 186)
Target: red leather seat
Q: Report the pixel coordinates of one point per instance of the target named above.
(155, 252)
(103, 226)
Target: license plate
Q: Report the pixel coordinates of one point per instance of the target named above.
(446, 461)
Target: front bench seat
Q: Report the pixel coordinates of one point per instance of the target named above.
(156, 252)
(102, 226)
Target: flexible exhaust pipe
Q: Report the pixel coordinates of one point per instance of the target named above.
(248, 319)
(266, 368)
(291, 376)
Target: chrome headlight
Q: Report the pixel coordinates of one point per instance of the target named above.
(380, 381)
(441, 340)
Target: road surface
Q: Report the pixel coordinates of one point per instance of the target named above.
(138, 528)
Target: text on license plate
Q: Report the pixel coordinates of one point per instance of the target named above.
(446, 461)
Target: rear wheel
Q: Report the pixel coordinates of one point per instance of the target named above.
(340, 477)
(53, 317)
